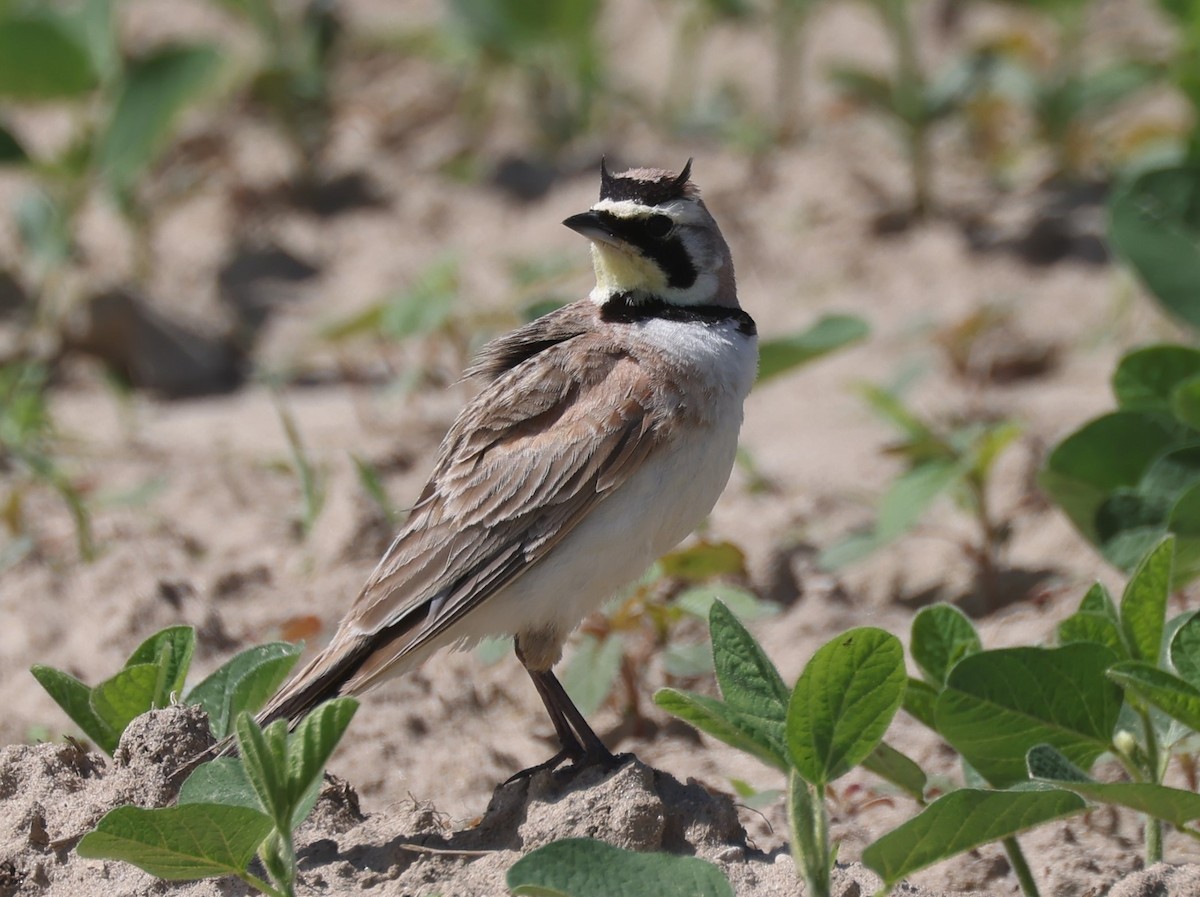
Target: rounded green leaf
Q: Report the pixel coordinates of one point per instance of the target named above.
(961, 821)
(998, 704)
(843, 703)
(1144, 604)
(180, 843)
(1185, 650)
(1104, 455)
(1170, 694)
(153, 92)
(171, 650)
(42, 58)
(129, 694)
(312, 742)
(724, 723)
(1155, 227)
(941, 636)
(75, 698)
(243, 683)
(1146, 378)
(782, 354)
(582, 867)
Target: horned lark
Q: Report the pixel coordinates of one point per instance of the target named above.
(604, 433)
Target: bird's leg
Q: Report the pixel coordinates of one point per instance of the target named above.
(577, 742)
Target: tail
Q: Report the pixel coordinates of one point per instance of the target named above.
(320, 679)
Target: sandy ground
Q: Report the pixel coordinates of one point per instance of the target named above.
(195, 508)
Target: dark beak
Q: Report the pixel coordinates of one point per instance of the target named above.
(592, 226)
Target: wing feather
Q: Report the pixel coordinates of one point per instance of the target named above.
(522, 466)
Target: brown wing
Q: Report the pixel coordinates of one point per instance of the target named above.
(524, 463)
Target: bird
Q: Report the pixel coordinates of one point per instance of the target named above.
(602, 436)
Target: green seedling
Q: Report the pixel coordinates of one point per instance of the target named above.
(231, 810)
(551, 51)
(954, 460)
(154, 676)
(427, 315)
(292, 83)
(1029, 722)
(583, 867)
(124, 109)
(311, 477)
(784, 354)
(833, 720)
(28, 449)
(912, 102)
(1128, 477)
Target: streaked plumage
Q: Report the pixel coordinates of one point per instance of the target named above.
(604, 433)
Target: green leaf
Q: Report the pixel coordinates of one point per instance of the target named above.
(127, 695)
(1104, 455)
(75, 699)
(1145, 378)
(42, 58)
(998, 704)
(1185, 403)
(1185, 650)
(265, 758)
(311, 744)
(941, 637)
(243, 683)
(749, 682)
(961, 821)
(181, 843)
(720, 721)
(592, 671)
(1154, 226)
(153, 92)
(893, 766)
(11, 151)
(843, 703)
(1092, 627)
(866, 87)
(1097, 600)
(832, 332)
(911, 494)
(581, 867)
(171, 650)
(220, 781)
(703, 561)
(810, 843)
(1168, 693)
(745, 605)
(920, 699)
(1169, 804)
(1144, 604)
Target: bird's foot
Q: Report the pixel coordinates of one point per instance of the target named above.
(578, 760)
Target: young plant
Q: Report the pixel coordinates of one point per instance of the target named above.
(124, 110)
(549, 49)
(28, 445)
(833, 720)
(1128, 477)
(292, 84)
(311, 477)
(154, 676)
(231, 810)
(583, 867)
(912, 102)
(1030, 722)
(954, 460)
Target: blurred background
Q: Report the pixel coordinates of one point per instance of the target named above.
(248, 246)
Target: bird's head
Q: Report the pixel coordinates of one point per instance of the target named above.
(652, 236)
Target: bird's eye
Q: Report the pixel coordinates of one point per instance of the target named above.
(659, 226)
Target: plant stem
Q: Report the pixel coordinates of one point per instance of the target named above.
(259, 885)
(1155, 765)
(1020, 867)
(810, 835)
